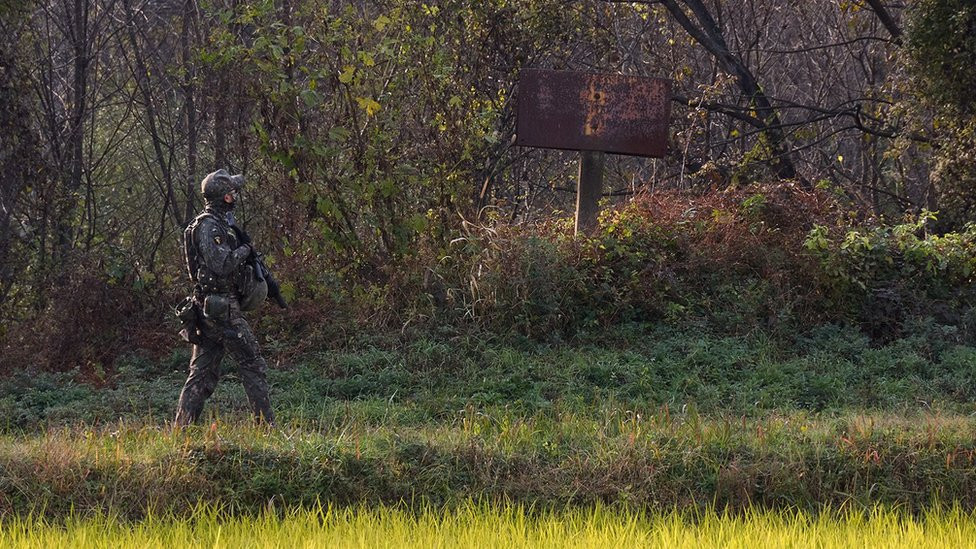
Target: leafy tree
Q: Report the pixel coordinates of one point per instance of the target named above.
(942, 45)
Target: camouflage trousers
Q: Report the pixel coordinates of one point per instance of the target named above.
(228, 333)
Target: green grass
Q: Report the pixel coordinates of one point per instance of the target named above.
(474, 525)
(556, 459)
(647, 417)
(828, 370)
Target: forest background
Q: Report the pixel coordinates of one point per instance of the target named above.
(821, 170)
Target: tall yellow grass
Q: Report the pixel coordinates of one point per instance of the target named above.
(507, 526)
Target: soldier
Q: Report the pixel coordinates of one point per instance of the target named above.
(215, 255)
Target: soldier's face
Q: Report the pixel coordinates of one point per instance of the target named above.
(230, 197)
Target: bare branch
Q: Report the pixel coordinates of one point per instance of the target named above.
(886, 20)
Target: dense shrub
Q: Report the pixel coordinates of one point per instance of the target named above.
(774, 259)
(733, 259)
(884, 276)
(942, 44)
(94, 313)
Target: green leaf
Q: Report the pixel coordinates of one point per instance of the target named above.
(310, 98)
(417, 222)
(339, 133)
(348, 72)
(288, 291)
(369, 105)
(381, 22)
(325, 207)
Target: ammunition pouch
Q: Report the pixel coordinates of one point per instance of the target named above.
(208, 282)
(188, 313)
(216, 307)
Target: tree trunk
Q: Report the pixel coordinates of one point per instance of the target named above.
(189, 13)
(709, 35)
(142, 83)
(78, 33)
(887, 20)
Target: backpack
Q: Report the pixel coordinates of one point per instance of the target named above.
(190, 247)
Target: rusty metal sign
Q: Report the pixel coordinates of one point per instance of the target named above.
(593, 112)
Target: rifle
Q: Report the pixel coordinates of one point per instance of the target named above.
(261, 270)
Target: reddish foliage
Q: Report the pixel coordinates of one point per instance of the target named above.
(532, 279)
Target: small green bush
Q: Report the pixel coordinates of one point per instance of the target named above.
(885, 277)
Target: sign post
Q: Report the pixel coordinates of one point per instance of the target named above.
(588, 190)
(593, 114)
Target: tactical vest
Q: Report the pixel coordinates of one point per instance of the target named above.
(248, 284)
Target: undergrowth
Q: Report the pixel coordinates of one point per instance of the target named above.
(634, 366)
(649, 458)
(764, 258)
(737, 348)
(643, 414)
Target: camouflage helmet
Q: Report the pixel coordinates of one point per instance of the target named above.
(219, 183)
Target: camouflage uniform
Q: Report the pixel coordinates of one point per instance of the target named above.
(214, 269)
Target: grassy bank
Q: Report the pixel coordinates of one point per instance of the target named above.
(644, 416)
(473, 525)
(644, 458)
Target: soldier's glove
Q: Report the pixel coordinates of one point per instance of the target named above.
(242, 235)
